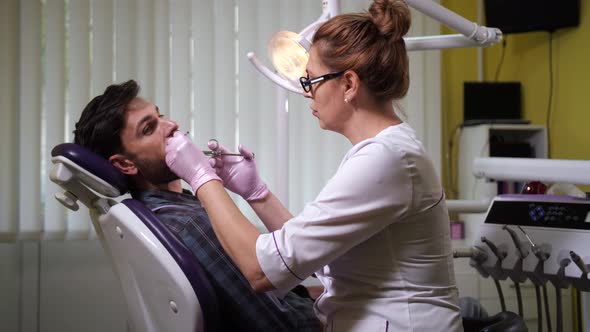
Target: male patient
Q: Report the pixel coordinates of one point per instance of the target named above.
(131, 133)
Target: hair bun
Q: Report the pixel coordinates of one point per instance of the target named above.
(392, 17)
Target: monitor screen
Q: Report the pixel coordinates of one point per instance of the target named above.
(491, 101)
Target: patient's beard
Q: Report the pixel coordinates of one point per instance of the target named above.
(155, 171)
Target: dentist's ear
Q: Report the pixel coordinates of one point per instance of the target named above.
(351, 85)
(123, 164)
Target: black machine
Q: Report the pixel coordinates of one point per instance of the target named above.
(514, 16)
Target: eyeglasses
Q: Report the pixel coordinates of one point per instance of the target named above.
(306, 82)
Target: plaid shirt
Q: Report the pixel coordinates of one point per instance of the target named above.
(242, 309)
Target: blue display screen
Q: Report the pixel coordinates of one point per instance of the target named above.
(540, 214)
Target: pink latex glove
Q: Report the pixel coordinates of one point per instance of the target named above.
(188, 162)
(239, 174)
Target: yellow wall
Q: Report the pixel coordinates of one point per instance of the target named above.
(527, 60)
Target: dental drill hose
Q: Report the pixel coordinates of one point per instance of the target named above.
(546, 303)
(500, 256)
(500, 294)
(542, 256)
(584, 268)
(518, 298)
(559, 313)
(558, 307)
(522, 253)
(539, 308)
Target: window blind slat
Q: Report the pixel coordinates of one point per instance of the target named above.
(309, 134)
(432, 133)
(268, 22)
(180, 107)
(203, 121)
(9, 62)
(125, 41)
(224, 77)
(54, 220)
(289, 13)
(102, 46)
(145, 46)
(248, 107)
(29, 137)
(161, 53)
(414, 100)
(78, 74)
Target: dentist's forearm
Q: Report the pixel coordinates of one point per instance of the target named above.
(271, 212)
(236, 234)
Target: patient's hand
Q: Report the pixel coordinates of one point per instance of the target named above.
(188, 162)
(239, 174)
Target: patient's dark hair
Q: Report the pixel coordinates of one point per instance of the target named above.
(100, 125)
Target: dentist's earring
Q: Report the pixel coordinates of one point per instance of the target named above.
(346, 100)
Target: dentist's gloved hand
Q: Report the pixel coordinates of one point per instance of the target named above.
(239, 174)
(188, 161)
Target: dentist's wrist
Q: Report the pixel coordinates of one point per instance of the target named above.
(202, 177)
(259, 193)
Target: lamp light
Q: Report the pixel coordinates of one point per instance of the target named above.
(288, 55)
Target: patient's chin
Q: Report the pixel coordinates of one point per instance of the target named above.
(156, 172)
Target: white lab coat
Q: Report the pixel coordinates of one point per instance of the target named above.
(377, 237)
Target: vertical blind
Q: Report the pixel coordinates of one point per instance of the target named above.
(189, 56)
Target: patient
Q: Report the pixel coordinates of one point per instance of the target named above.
(131, 133)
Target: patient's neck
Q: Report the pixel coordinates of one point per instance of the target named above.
(174, 186)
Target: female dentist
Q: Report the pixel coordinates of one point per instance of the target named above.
(377, 235)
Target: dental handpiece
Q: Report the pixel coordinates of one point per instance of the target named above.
(521, 251)
(499, 254)
(579, 262)
(540, 253)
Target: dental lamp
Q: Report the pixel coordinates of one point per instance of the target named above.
(289, 51)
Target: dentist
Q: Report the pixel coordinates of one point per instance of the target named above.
(377, 235)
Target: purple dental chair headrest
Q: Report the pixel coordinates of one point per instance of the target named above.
(93, 163)
(185, 259)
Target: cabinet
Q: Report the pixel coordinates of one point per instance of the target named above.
(497, 140)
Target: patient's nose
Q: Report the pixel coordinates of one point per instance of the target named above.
(170, 127)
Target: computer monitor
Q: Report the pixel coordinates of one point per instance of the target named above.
(492, 102)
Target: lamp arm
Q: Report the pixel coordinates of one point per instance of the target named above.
(481, 35)
(313, 26)
(438, 42)
(532, 169)
(272, 76)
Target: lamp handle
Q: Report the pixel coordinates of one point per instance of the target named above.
(272, 76)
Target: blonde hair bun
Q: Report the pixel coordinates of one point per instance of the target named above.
(392, 18)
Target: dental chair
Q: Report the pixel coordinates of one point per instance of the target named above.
(505, 321)
(164, 287)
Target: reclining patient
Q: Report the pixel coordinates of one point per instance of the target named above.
(131, 133)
